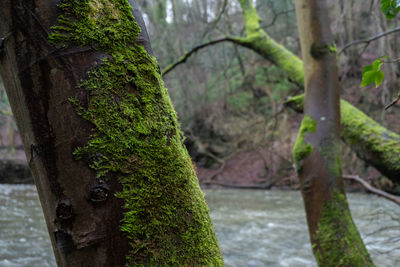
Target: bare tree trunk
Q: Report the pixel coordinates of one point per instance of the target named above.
(101, 137)
(317, 152)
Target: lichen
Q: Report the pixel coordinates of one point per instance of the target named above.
(136, 137)
(337, 241)
(301, 149)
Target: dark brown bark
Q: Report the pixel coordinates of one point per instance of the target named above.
(83, 215)
(51, 130)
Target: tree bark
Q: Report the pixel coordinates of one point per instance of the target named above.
(101, 137)
(317, 152)
(372, 142)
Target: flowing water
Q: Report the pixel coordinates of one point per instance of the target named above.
(254, 228)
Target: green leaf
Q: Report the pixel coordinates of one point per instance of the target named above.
(367, 68)
(390, 8)
(373, 74)
(379, 76)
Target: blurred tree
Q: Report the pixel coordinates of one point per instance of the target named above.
(116, 184)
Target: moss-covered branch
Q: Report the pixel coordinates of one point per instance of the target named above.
(372, 142)
(260, 42)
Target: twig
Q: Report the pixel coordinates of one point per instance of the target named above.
(397, 99)
(276, 15)
(368, 40)
(195, 49)
(212, 24)
(372, 189)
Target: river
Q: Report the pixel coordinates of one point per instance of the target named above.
(254, 228)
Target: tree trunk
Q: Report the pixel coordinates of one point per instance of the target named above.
(101, 137)
(372, 142)
(317, 152)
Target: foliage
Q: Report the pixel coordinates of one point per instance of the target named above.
(373, 74)
(390, 8)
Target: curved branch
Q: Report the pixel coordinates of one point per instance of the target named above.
(276, 16)
(183, 58)
(372, 189)
(369, 40)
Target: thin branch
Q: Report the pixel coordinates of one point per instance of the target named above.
(397, 99)
(276, 16)
(372, 189)
(212, 24)
(369, 40)
(195, 49)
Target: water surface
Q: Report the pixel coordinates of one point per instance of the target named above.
(254, 228)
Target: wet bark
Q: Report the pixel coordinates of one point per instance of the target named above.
(317, 151)
(82, 213)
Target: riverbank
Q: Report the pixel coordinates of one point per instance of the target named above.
(258, 169)
(14, 168)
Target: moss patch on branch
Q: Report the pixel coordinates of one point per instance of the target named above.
(259, 41)
(137, 137)
(338, 242)
(372, 142)
(301, 149)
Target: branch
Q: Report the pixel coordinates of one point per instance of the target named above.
(195, 49)
(369, 40)
(212, 24)
(372, 189)
(276, 16)
(397, 99)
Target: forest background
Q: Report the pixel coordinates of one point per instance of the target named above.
(230, 100)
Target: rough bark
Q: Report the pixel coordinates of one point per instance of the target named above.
(101, 137)
(372, 143)
(317, 152)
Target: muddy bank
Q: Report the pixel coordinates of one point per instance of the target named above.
(13, 167)
(263, 168)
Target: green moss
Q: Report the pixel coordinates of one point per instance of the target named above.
(331, 151)
(296, 103)
(301, 150)
(338, 242)
(318, 50)
(137, 137)
(258, 40)
(367, 137)
(372, 142)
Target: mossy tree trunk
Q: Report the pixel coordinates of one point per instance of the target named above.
(102, 140)
(317, 151)
(371, 141)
